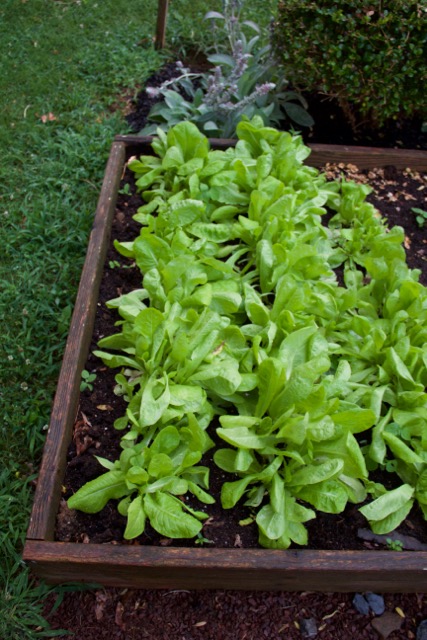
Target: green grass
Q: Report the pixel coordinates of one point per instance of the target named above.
(73, 59)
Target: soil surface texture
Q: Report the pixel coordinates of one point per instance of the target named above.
(128, 614)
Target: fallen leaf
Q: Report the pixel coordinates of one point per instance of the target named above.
(86, 420)
(219, 348)
(101, 599)
(80, 436)
(331, 615)
(118, 619)
(400, 612)
(48, 117)
(83, 444)
(391, 197)
(210, 522)
(165, 542)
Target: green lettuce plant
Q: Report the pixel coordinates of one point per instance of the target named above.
(241, 325)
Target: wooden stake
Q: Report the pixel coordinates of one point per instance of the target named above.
(162, 14)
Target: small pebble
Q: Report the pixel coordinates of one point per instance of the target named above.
(386, 624)
(422, 630)
(376, 603)
(360, 604)
(308, 627)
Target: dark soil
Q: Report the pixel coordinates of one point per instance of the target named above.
(137, 119)
(395, 194)
(128, 614)
(332, 127)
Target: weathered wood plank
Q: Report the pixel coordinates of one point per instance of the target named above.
(64, 409)
(249, 569)
(363, 157)
(368, 157)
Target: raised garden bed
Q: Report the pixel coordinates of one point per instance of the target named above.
(128, 565)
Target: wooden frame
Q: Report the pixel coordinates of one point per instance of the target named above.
(363, 157)
(165, 567)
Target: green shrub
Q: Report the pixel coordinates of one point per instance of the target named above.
(369, 54)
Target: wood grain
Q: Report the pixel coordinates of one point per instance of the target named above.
(64, 409)
(363, 157)
(368, 157)
(245, 569)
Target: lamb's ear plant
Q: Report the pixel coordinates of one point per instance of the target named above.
(241, 326)
(244, 80)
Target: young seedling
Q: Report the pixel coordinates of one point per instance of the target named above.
(125, 190)
(87, 379)
(394, 545)
(201, 540)
(421, 216)
(115, 264)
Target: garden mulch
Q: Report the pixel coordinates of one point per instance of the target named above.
(128, 614)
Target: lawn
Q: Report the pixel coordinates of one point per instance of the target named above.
(67, 69)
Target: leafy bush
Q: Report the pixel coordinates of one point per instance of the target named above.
(244, 80)
(371, 55)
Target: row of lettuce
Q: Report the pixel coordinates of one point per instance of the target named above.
(311, 380)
